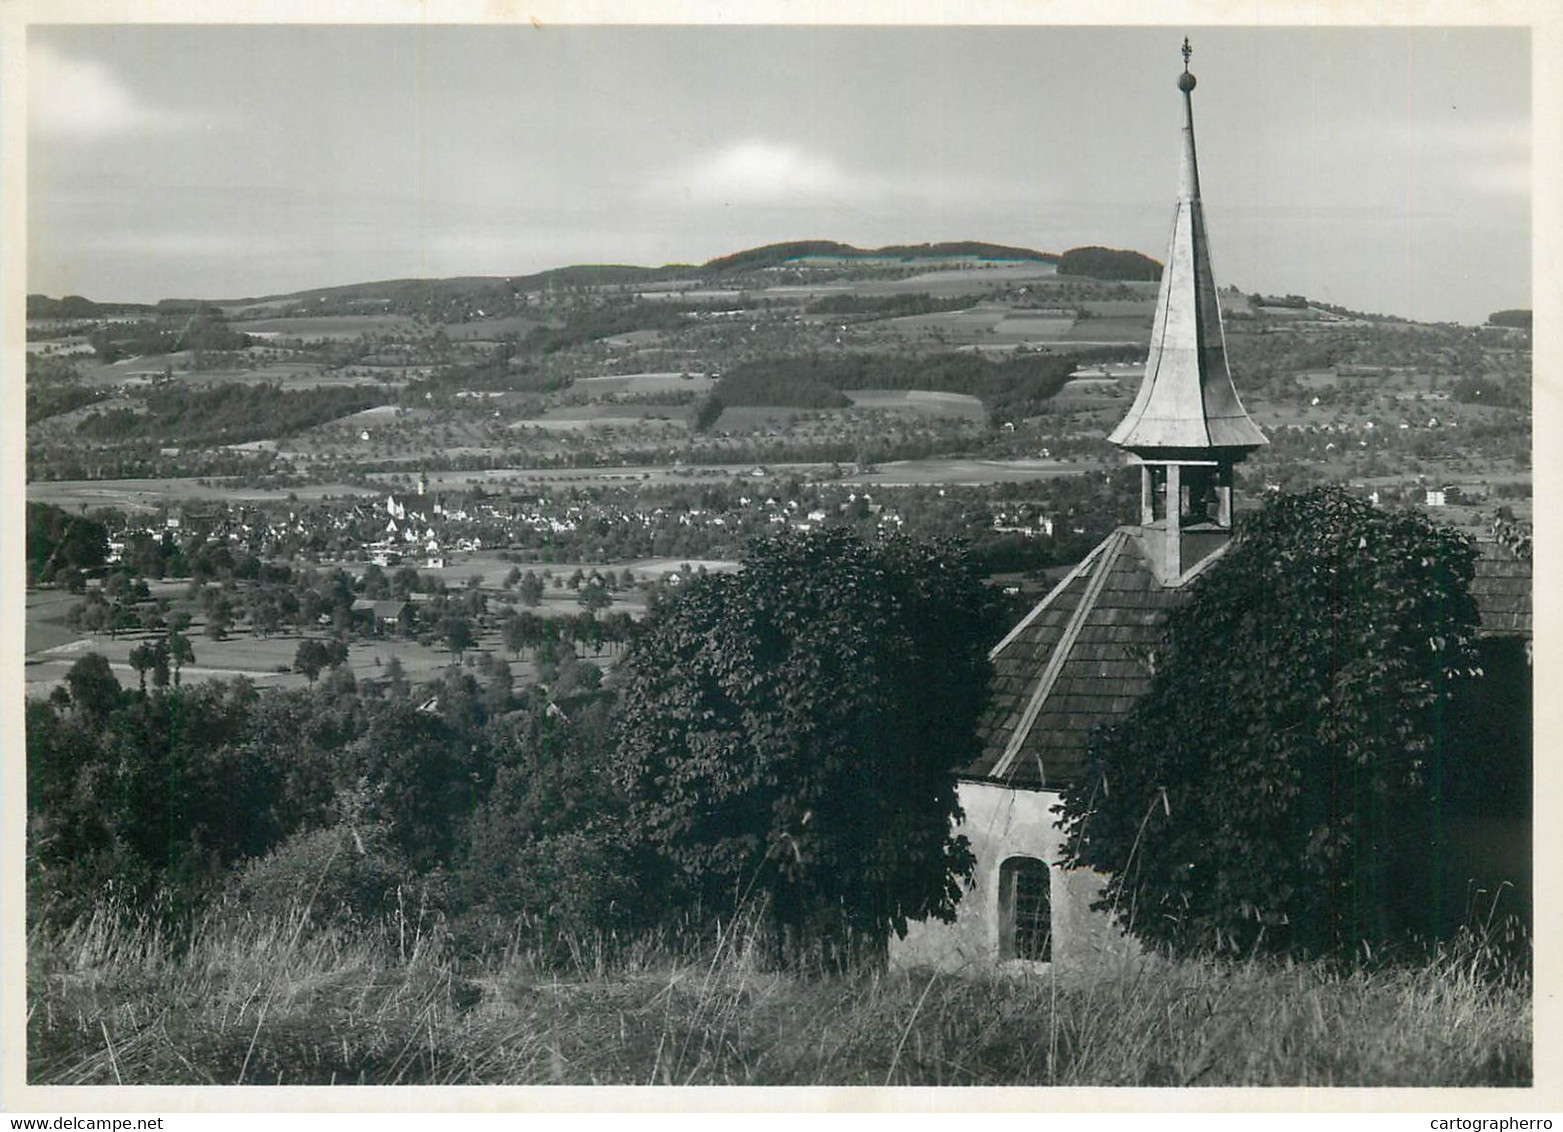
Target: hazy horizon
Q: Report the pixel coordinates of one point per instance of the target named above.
(1381, 169)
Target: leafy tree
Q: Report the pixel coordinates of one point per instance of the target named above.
(1279, 785)
(376, 586)
(219, 616)
(594, 596)
(396, 676)
(457, 631)
(144, 658)
(178, 647)
(310, 658)
(531, 589)
(265, 615)
(523, 631)
(335, 652)
(791, 730)
(58, 540)
(93, 687)
(404, 582)
(548, 842)
(422, 769)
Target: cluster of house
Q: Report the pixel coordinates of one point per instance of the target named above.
(426, 530)
(413, 531)
(1027, 519)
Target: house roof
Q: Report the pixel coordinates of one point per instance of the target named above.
(1502, 589)
(1084, 655)
(385, 609)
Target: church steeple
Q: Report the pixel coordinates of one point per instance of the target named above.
(1186, 427)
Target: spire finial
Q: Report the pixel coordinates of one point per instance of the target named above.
(1186, 80)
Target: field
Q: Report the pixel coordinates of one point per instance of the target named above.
(151, 494)
(918, 401)
(333, 327)
(485, 329)
(259, 1000)
(981, 276)
(1025, 325)
(638, 383)
(643, 475)
(922, 473)
(52, 648)
(1110, 330)
(134, 372)
(606, 415)
(760, 418)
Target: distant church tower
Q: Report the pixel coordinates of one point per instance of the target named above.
(1082, 657)
(1186, 428)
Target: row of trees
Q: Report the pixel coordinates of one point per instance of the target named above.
(226, 414)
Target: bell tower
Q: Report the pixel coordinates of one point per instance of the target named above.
(1186, 428)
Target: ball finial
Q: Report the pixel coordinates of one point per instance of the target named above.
(1186, 82)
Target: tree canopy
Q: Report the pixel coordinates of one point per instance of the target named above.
(790, 732)
(1280, 786)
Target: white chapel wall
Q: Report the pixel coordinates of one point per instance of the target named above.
(1001, 823)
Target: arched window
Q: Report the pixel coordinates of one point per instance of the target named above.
(1025, 910)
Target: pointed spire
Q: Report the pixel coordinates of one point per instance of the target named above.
(1187, 402)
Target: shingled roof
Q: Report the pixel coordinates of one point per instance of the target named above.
(1079, 659)
(1502, 587)
(1083, 655)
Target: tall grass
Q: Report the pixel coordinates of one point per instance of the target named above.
(248, 1000)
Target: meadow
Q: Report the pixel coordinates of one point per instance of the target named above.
(958, 472)
(151, 494)
(1109, 330)
(638, 383)
(919, 401)
(265, 1000)
(327, 326)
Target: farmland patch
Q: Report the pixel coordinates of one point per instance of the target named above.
(1112, 330)
(919, 401)
(328, 327)
(638, 383)
(959, 472)
(151, 494)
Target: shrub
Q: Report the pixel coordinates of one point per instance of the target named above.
(342, 875)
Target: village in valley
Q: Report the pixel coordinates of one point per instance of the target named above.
(586, 676)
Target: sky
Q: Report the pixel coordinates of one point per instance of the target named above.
(1383, 169)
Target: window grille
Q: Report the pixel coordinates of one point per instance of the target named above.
(1026, 911)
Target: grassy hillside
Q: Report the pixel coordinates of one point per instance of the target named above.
(266, 1002)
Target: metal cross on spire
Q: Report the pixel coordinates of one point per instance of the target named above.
(1187, 51)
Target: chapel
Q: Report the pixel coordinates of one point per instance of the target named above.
(1083, 655)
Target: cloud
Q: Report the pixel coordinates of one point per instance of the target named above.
(755, 171)
(82, 98)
